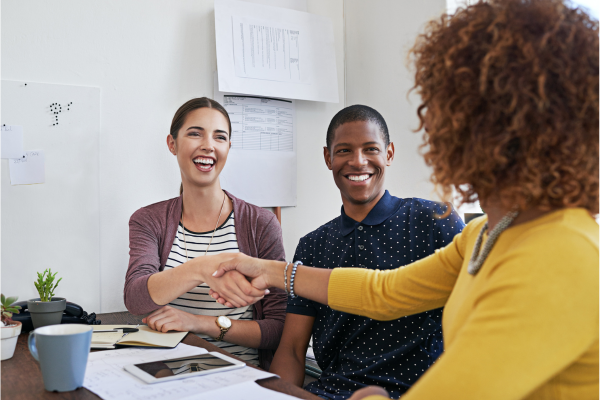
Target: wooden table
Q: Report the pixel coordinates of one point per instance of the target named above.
(22, 377)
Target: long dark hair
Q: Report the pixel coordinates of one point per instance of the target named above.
(189, 106)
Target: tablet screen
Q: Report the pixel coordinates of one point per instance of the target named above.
(183, 366)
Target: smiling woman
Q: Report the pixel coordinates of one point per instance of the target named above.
(176, 245)
(208, 111)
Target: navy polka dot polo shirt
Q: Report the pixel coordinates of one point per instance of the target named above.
(355, 351)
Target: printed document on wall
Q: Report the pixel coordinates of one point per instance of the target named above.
(261, 166)
(275, 52)
(267, 51)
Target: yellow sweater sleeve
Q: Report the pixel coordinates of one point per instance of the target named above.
(386, 295)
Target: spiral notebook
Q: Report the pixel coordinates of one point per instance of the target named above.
(144, 337)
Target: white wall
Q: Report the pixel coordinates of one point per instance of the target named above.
(149, 57)
(378, 37)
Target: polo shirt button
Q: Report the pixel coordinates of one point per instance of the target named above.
(360, 228)
(361, 265)
(361, 247)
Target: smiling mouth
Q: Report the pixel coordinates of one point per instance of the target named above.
(359, 178)
(204, 164)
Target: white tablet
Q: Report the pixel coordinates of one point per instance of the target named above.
(184, 367)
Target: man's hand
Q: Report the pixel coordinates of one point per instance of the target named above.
(369, 391)
(170, 319)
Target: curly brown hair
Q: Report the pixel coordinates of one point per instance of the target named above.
(509, 94)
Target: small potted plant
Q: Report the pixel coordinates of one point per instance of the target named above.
(46, 309)
(10, 329)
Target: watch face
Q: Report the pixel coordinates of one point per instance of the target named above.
(224, 322)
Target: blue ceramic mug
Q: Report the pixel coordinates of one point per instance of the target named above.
(62, 351)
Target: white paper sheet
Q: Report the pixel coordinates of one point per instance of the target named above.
(266, 50)
(261, 166)
(245, 391)
(29, 169)
(260, 123)
(275, 52)
(106, 377)
(12, 141)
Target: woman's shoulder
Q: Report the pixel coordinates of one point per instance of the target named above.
(559, 247)
(251, 213)
(561, 230)
(159, 211)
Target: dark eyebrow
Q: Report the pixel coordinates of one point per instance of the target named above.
(341, 144)
(201, 129)
(348, 144)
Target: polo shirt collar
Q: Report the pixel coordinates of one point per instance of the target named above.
(385, 207)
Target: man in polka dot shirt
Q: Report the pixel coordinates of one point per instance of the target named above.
(378, 231)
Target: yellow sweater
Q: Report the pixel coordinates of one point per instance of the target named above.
(524, 327)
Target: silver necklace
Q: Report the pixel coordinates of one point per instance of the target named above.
(478, 258)
(211, 236)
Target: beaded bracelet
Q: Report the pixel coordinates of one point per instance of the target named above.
(292, 293)
(285, 278)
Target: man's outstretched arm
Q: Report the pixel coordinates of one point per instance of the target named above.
(291, 354)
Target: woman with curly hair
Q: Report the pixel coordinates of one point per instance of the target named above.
(510, 105)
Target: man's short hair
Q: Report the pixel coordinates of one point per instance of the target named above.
(357, 112)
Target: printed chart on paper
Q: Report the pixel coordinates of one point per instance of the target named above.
(263, 50)
(260, 123)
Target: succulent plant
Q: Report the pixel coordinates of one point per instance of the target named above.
(45, 284)
(7, 309)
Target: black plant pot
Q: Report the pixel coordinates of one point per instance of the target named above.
(46, 312)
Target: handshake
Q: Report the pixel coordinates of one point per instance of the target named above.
(239, 280)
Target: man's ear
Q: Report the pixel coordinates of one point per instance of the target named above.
(390, 154)
(171, 144)
(327, 156)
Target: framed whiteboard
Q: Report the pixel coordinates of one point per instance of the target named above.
(55, 224)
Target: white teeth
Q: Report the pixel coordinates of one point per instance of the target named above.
(204, 161)
(358, 178)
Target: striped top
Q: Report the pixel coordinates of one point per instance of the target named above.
(197, 301)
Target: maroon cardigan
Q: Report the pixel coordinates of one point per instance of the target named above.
(152, 230)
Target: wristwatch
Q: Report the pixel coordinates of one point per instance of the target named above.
(224, 324)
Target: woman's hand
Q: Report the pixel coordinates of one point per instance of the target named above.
(171, 319)
(233, 286)
(255, 269)
(369, 391)
(219, 299)
(310, 283)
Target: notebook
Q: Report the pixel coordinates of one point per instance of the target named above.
(145, 337)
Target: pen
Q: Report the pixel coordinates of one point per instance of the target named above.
(125, 330)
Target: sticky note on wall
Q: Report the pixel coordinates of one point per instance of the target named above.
(29, 169)
(12, 141)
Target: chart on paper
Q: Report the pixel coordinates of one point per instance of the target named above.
(263, 50)
(260, 123)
